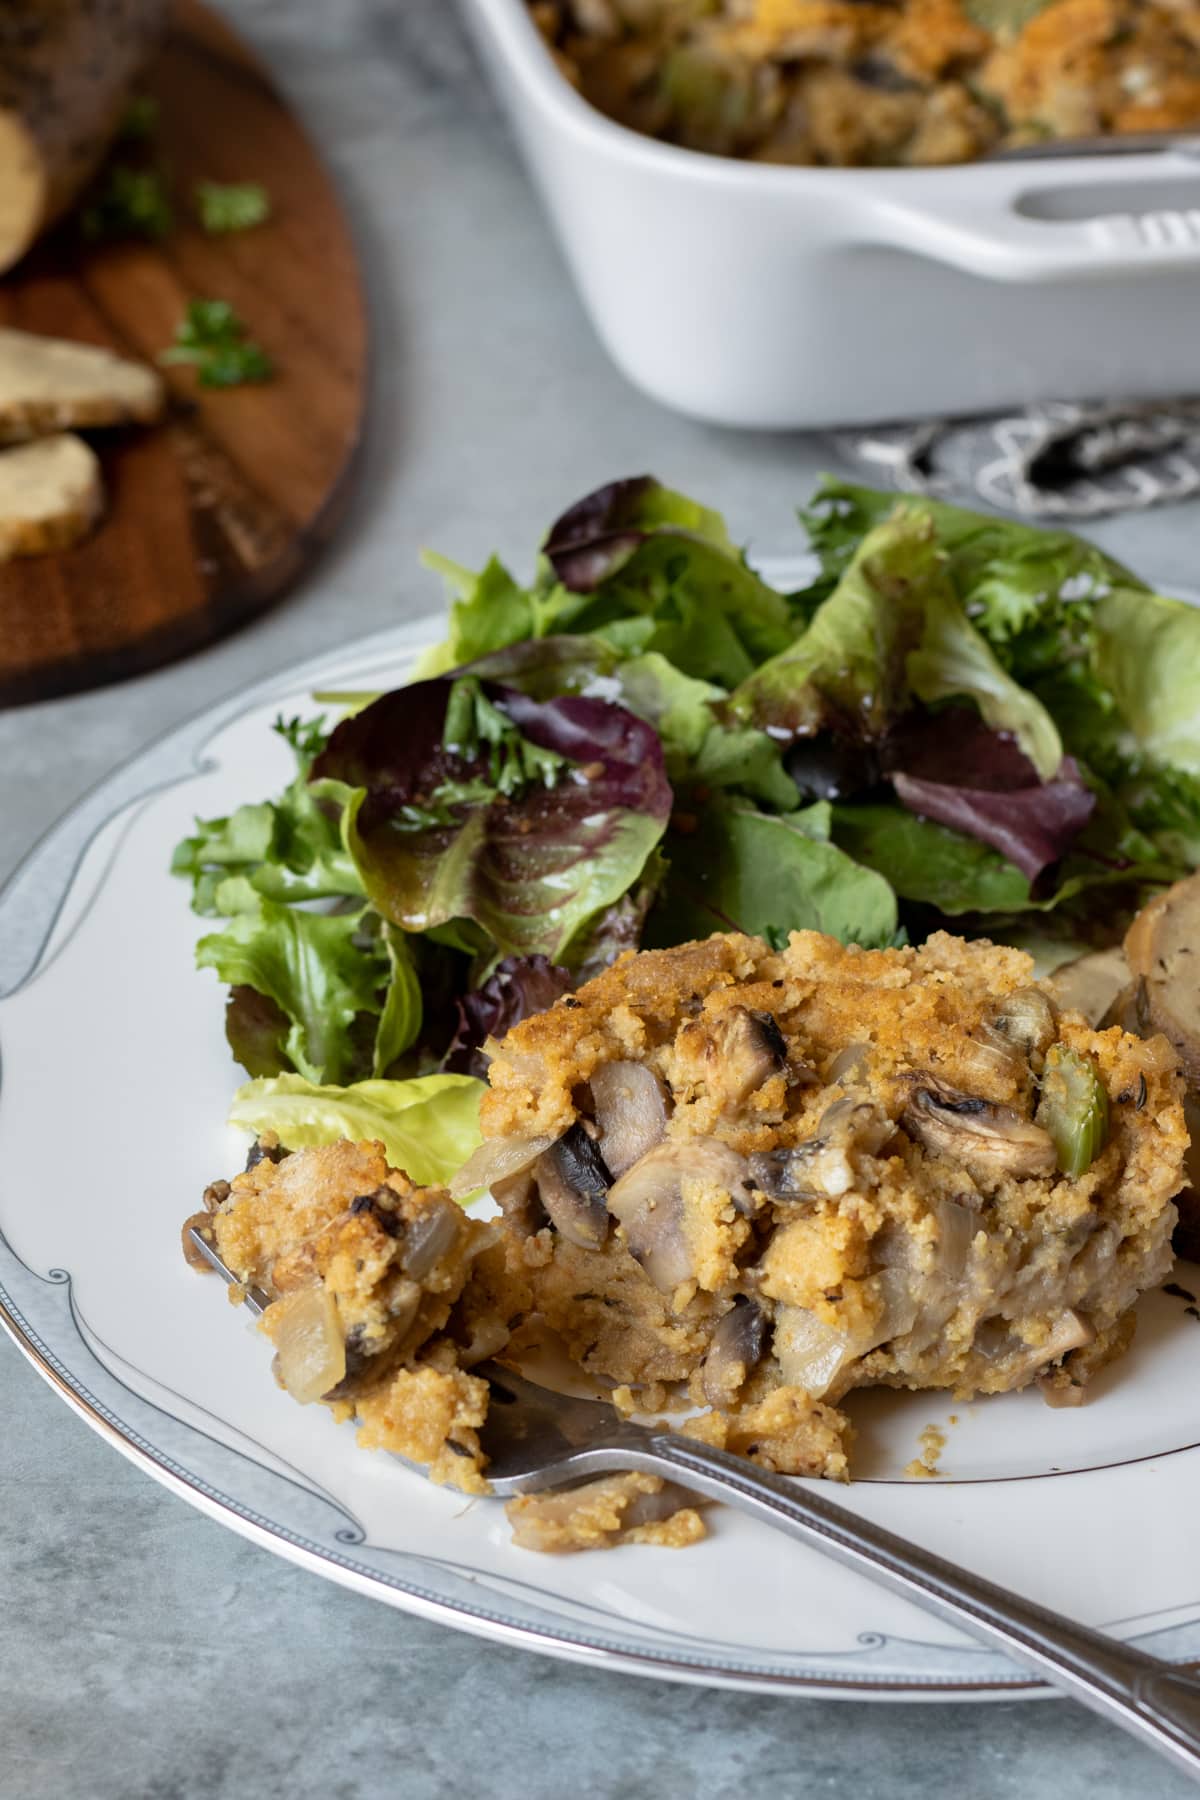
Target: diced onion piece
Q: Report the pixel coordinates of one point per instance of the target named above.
(849, 1065)
(495, 1160)
(899, 1311)
(310, 1352)
(957, 1226)
(1073, 1109)
(431, 1234)
(810, 1353)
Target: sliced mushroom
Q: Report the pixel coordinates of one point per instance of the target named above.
(518, 1199)
(631, 1111)
(735, 1351)
(1090, 984)
(829, 1163)
(648, 1203)
(985, 1138)
(264, 1152)
(1022, 1361)
(739, 1052)
(1163, 950)
(573, 1181)
(1024, 1021)
(752, 1049)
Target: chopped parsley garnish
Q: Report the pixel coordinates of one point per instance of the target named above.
(307, 737)
(139, 120)
(213, 338)
(128, 203)
(233, 206)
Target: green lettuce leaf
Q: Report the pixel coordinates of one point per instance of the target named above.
(1147, 655)
(334, 978)
(1018, 582)
(428, 1127)
(288, 849)
(953, 660)
(744, 870)
(488, 612)
(637, 564)
(847, 668)
(893, 628)
(932, 865)
(929, 863)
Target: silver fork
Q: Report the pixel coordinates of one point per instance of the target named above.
(536, 1439)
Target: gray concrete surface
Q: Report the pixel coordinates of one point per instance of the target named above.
(145, 1653)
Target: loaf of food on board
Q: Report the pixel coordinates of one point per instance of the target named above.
(67, 68)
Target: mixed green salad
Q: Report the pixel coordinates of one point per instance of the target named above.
(960, 722)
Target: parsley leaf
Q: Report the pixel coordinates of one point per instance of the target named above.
(211, 336)
(129, 203)
(139, 120)
(235, 206)
(307, 738)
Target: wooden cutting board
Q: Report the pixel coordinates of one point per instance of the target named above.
(213, 514)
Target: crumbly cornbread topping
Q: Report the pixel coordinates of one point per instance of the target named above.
(744, 1181)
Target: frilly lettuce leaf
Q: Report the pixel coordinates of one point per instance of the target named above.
(892, 629)
(596, 536)
(288, 849)
(953, 661)
(847, 669)
(1023, 586)
(428, 1126)
(679, 707)
(643, 567)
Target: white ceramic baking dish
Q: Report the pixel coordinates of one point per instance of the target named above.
(759, 296)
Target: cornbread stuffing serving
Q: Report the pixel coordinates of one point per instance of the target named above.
(740, 1182)
(888, 81)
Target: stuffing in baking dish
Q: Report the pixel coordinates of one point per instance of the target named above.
(880, 81)
(741, 1182)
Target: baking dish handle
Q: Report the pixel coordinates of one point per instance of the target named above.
(1066, 221)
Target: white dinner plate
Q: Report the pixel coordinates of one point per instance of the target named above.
(112, 1050)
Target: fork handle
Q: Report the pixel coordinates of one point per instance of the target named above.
(1150, 1699)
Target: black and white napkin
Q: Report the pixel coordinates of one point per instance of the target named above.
(1063, 460)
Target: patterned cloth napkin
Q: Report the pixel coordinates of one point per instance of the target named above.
(1062, 460)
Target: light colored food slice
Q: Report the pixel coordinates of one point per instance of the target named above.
(1090, 984)
(51, 384)
(66, 70)
(51, 494)
(616, 1509)
(1162, 947)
